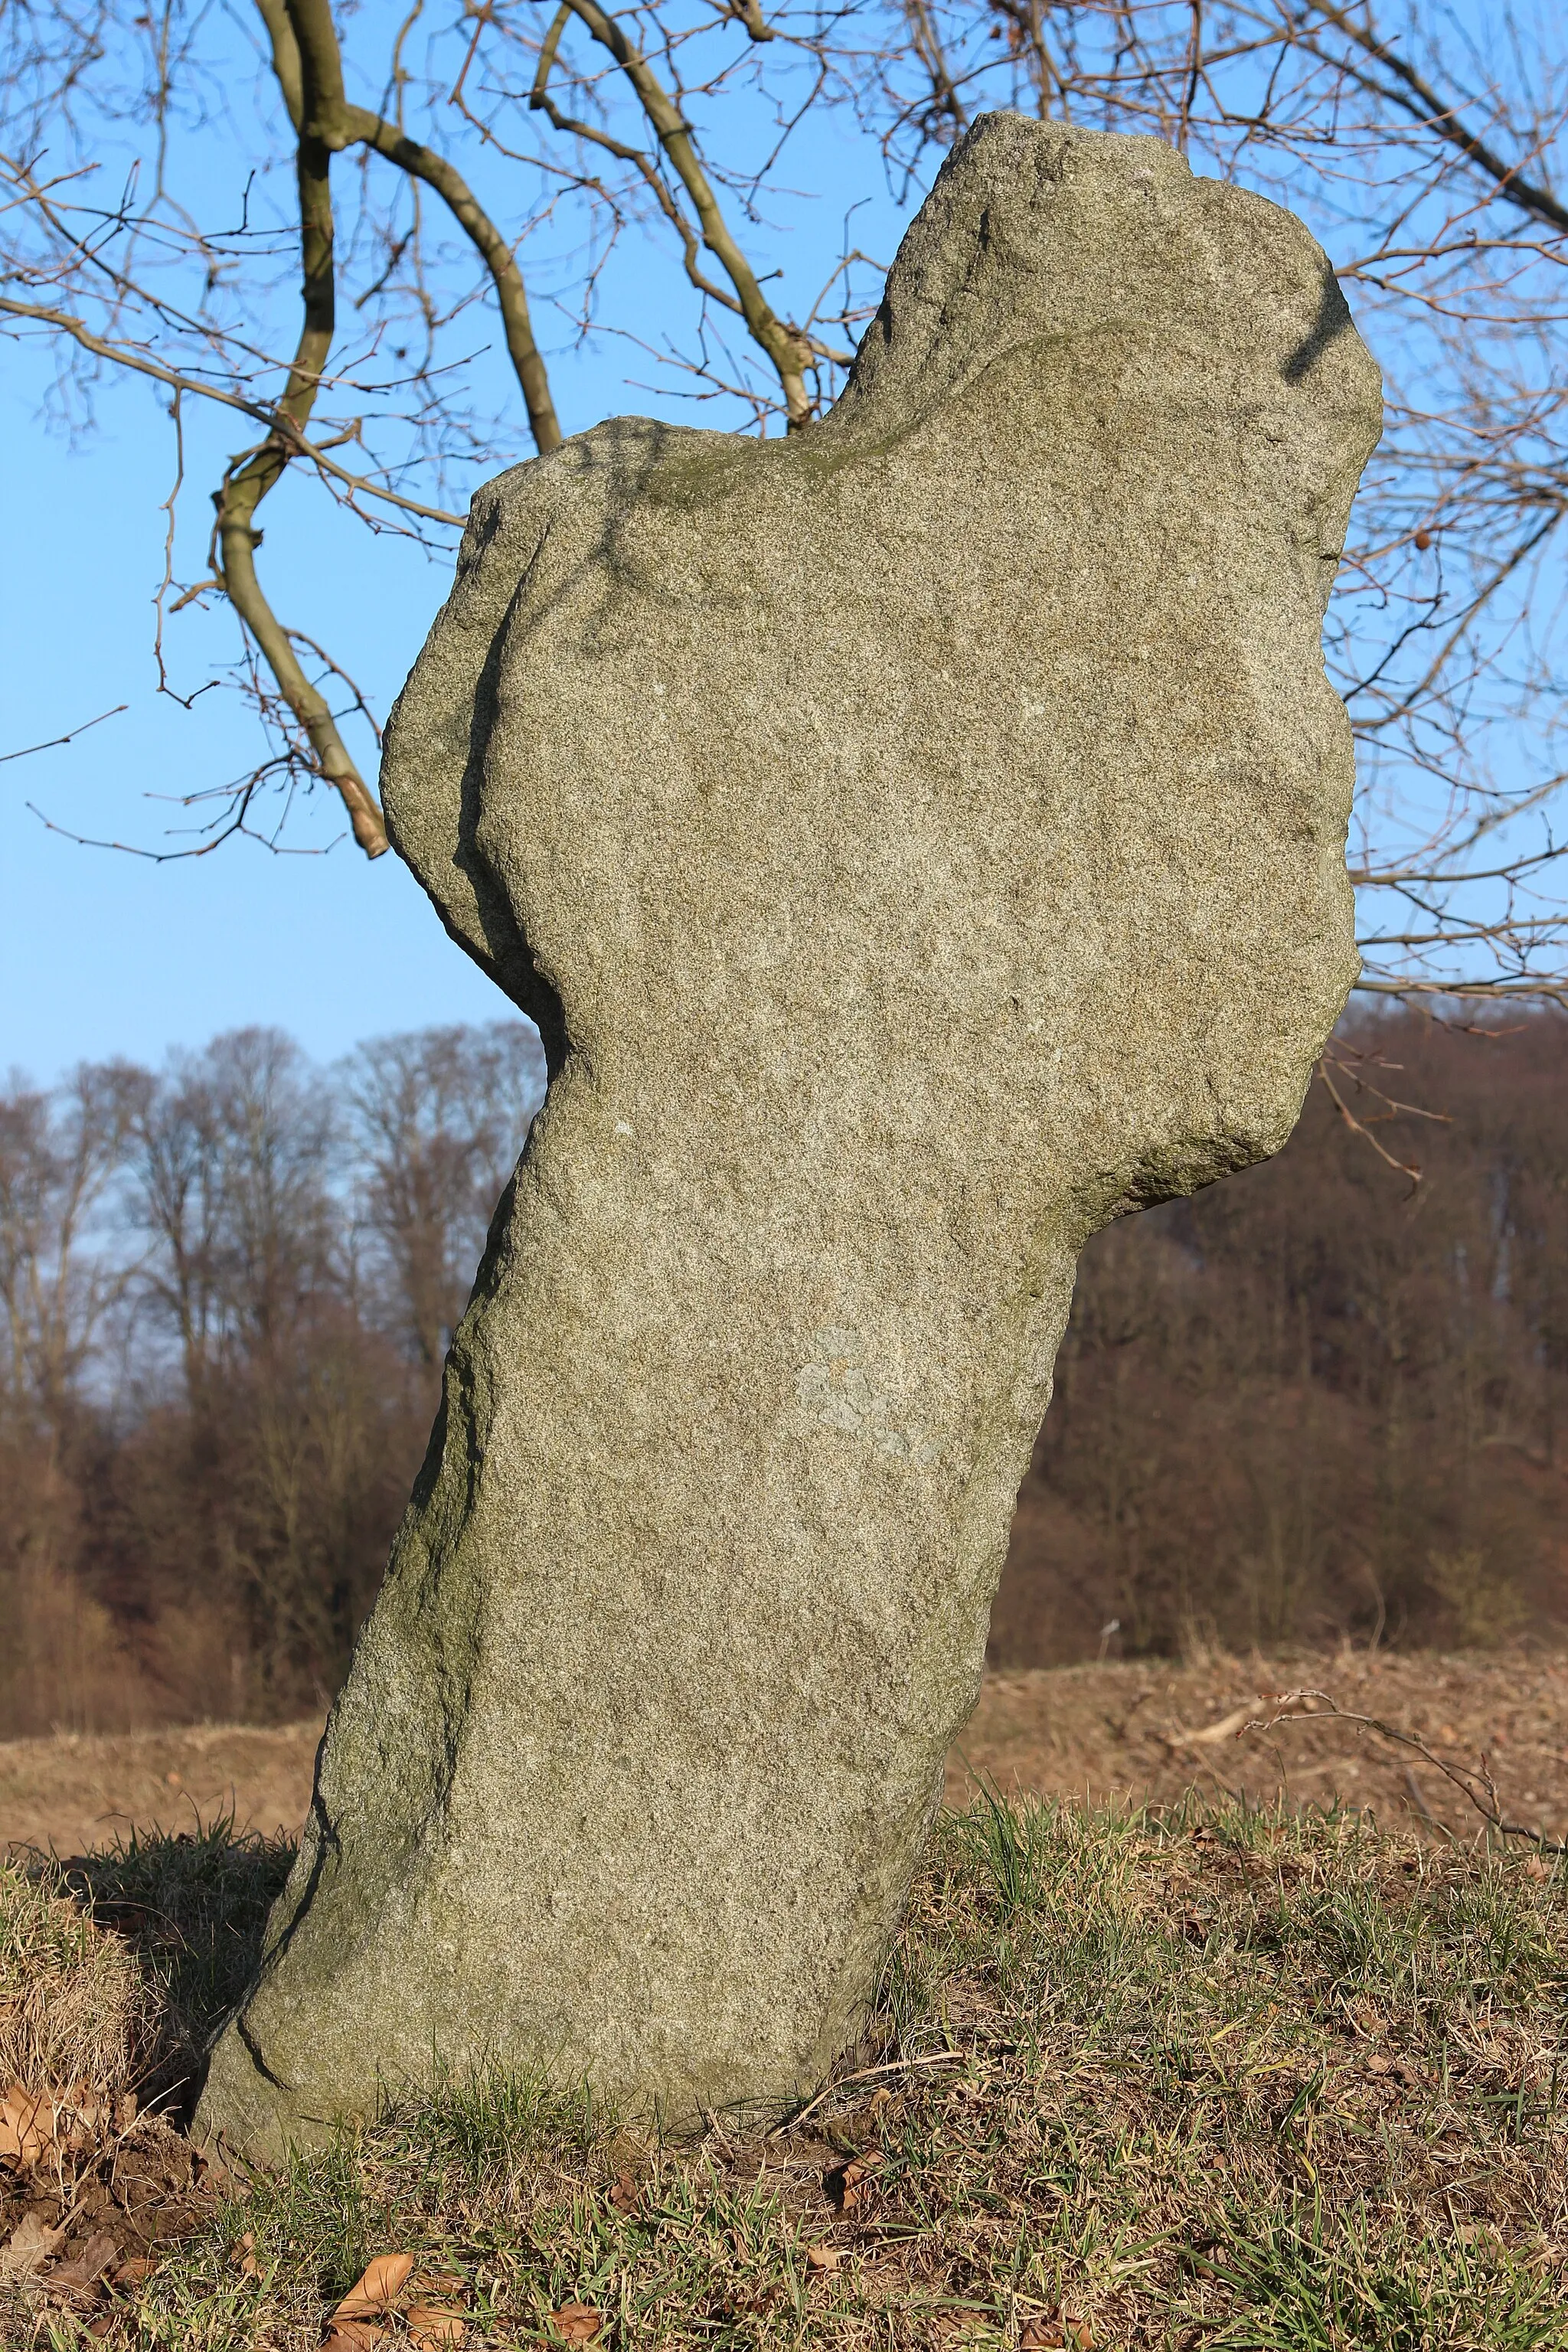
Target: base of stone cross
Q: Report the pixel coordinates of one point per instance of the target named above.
(921, 840)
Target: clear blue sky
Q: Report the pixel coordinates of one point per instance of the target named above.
(101, 953)
(104, 954)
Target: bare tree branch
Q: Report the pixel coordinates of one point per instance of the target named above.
(274, 420)
(1419, 100)
(55, 742)
(781, 343)
(244, 489)
(314, 69)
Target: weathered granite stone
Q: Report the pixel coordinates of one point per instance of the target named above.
(920, 841)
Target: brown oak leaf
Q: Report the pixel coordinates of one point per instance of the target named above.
(355, 2323)
(433, 2319)
(29, 2247)
(27, 2126)
(383, 2282)
(856, 2177)
(433, 2324)
(578, 2323)
(84, 2269)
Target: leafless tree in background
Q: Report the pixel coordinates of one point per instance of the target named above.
(61, 1277)
(1309, 1402)
(225, 1291)
(437, 1115)
(232, 1165)
(59, 1155)
(463, 184)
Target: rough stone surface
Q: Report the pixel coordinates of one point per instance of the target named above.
(920, 841)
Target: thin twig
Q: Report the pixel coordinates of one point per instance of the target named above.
(56, 740)
(288, 436)
(1477, 1786)
(867, 2075)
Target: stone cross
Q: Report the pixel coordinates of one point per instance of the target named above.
(921, 840)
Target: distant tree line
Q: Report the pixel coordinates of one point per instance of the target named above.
(226, 1289)
(1329, 1397)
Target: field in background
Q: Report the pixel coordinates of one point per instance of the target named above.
(1148, 1729)
(1316, 1401)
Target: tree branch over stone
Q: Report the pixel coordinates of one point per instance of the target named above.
(309, 67)
(254, 475)
(783, 343)
(140, 362)
(662, 139)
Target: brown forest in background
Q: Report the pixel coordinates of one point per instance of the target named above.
(1324, 1399)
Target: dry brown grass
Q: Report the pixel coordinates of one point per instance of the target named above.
(76, 2007)
(1127, 1732)
(1245, 2071)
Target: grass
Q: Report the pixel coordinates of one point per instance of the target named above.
(74, 2004)
(1212, 2077)
(193, 1907)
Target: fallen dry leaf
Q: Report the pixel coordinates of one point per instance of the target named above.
(431, 2325)
(823, 2258)
(579, 2323)
(427, 2283)
(29, 2245)
(27, 2126)
(99, 2254)
(32, 2122)
(383, 2281)
(855, 2176)
(354, 2326)
(433, 2319)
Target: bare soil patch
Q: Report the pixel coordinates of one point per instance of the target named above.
(1151, 1730)
(1120, 1730)
(72, 1794)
